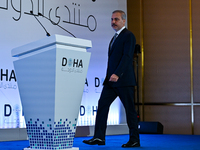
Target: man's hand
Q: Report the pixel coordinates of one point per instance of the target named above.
(113, 78)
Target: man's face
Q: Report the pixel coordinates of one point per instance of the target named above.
(117, 22)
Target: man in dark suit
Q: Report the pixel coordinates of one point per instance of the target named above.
(119, 81)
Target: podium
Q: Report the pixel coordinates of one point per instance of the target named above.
(51, 76)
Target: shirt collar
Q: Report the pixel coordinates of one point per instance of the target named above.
(118, 32)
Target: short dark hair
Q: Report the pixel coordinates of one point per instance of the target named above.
(123, 14)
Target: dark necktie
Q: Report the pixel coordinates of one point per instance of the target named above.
(114, 37)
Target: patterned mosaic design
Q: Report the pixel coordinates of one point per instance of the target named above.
(51, 135)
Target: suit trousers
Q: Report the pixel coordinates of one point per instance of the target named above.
(108, 95)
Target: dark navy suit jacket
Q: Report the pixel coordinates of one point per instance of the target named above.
(120, 60)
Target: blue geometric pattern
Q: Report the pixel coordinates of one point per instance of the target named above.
(51, 135)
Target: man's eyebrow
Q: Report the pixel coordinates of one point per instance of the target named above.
(115, 18)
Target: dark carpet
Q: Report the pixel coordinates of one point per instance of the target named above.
(148, 142)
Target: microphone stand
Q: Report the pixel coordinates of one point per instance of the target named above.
(47, 33)
(56, 24)
(137, 51)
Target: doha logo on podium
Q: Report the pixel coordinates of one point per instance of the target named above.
(72, 65)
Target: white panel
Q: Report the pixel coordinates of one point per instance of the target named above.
(86, 19)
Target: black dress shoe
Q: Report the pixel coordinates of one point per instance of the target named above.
(94, 141)
(131, 144)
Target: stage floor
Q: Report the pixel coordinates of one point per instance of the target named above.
(148, 142)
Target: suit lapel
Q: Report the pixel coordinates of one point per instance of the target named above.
(110, 49)
(115, 42)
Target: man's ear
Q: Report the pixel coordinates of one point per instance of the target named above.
(124, 21)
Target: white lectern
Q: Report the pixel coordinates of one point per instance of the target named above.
(51, 75)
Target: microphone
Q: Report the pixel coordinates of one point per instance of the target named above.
(47, 33)
(56, 24)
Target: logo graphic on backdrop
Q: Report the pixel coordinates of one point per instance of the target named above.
(39, 9)
(8, 76)
(10, 111)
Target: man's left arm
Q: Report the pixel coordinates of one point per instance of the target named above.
(128, 53)
(114, 78)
